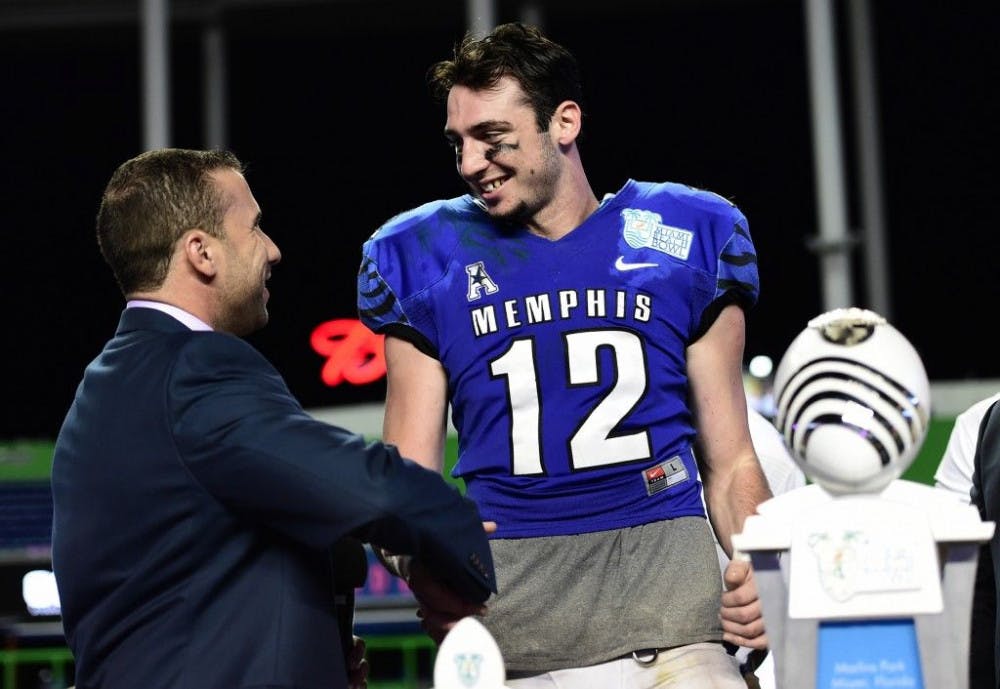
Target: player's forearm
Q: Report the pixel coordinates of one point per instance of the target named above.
(731, 498)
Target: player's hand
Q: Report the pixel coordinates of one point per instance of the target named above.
(357, 666)
(489, 527)
(440, 608)
(741, 614)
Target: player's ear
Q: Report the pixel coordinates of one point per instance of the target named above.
(200, 250)
(567, 122)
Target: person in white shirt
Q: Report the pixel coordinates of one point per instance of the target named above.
(954, 476)
(954, 472)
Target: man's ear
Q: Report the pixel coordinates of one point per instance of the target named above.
(200, 249)
(567, 122)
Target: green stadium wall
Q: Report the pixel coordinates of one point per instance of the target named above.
(27, 460)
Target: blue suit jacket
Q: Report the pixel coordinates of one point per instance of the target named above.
(195, 507)
(984, 652)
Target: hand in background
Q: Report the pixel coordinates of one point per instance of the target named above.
(357, 666)
(741, 614)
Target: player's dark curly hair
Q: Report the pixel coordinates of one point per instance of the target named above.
(149, 203)
(547, 72)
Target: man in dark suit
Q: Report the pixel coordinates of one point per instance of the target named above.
(196, 504)
(984, 657)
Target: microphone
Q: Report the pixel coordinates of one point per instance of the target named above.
(350, 569)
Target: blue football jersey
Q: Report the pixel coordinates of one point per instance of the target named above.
(566, 359)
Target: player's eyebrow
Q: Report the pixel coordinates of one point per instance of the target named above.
(480, 128)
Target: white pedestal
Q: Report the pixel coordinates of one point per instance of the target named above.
(878, 564)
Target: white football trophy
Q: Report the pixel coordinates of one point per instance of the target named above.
(865, 579)
(853, 401)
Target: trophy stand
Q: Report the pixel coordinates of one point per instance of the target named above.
(866, 590)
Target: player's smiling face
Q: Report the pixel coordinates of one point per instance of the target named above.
(499, 151)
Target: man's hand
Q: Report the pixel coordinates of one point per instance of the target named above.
(357, 666)
(741, 614)
(440, 607)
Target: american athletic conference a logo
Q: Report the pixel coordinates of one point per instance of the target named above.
(479, 281)
(645, 229)
(468, 666)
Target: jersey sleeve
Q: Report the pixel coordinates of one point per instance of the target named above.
(731, 247)
(380, 309)
(737, 273)
(397, 273)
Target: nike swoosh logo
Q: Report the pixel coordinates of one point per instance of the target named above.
(620, 264)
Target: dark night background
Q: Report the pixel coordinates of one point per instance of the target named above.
(327, 106)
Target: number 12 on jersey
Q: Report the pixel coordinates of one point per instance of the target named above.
(592, 445)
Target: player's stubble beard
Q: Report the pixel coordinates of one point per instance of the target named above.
(541, 184)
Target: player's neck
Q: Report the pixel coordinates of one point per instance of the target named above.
(573, 203)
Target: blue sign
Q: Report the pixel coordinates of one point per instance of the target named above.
(877, 654)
